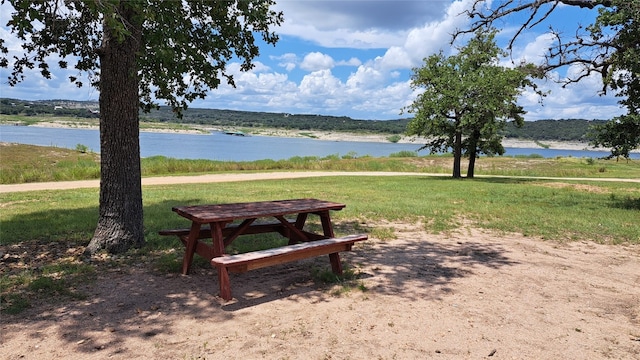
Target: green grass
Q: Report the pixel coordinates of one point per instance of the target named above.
(394, 138)
(308, 134)
(558, 167)
(568, 210)
(558, 210)
(27, 163)
(55, 281)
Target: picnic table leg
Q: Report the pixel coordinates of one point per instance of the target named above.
(336, 265)
(192, 242)
(217, 238)
(225, 283)
(218, 250)
(301, 219)
(327, 228)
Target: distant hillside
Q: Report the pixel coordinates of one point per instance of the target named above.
(562, 130)
(278, 120)
(87, 109)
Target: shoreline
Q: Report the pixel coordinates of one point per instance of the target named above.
(330, 136)
(382, 138)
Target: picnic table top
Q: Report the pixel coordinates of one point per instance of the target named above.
(251, 210)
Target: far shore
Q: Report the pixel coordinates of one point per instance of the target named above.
(320, 135)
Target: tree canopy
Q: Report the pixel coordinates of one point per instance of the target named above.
(466, 100)
(185, 45)
(609, 47)
(136, 53)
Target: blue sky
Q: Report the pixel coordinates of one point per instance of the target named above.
(354, 58)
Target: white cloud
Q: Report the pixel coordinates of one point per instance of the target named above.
(366, 77)
(420, 42)
(351, 62)
(358, 15)
(343, 38)
(317, 61)
(259, 66)
(320, 83)
(349, 58)
(356, 24)
(288, 61)
(581, 100)
(534, 52)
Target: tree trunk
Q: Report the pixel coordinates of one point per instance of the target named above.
(472, 165)
(120, 225)
(472, 151)
(457, 156)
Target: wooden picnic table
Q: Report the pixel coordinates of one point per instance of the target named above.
(226, 222)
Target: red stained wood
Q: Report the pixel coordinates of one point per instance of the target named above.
(215, 222)
(230, 212)
(258, 259)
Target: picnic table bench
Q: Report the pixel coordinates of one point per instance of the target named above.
(220, 224)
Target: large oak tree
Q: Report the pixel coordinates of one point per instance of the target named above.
(136, 52)
(466, 100)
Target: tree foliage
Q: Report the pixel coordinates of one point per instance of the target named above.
(136, 53)
(619, 134)
(609, 47)
(184, 51)
(466, 100)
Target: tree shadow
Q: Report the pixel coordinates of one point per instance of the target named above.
(415, 268)
(625, 203)
(129, 299)
(419, 269)
(493, 179)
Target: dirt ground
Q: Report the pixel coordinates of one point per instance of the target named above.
(469, 295)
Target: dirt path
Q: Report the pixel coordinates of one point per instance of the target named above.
(209, 178)
(212, 178)
(467, 295)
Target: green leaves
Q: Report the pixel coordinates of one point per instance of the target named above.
(189, 44)
(621, 135)
(186, 45)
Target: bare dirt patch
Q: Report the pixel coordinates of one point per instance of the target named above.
(472, 295)
(579, 187)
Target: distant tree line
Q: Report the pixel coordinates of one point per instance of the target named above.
(560, 130)
(278, 120)
(48, 107)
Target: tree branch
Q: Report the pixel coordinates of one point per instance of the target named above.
(561, 53)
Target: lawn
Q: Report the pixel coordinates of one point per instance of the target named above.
(58, 224)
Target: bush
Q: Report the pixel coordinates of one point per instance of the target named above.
(394, 138)
(404, 153)
(82, 148)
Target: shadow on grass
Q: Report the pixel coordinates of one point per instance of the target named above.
(625, 203)
(491, 179)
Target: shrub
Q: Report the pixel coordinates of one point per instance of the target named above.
(394, 138)
(404, 153)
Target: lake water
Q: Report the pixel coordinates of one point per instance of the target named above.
(219, 146)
